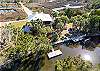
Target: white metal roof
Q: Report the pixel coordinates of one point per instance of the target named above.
(35, 16)
(54, 53)
(42, 16)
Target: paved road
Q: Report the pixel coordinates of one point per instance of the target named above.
(28, 12)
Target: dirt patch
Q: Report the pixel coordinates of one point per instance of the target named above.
(12, 16)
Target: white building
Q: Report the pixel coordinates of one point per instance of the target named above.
(34, 16)
(42, 16)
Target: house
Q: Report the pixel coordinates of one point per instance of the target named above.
(46, 18)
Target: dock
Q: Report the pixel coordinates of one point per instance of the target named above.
(74, 39)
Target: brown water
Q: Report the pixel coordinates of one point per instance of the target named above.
(93, 56)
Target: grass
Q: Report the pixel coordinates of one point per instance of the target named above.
(18, 24)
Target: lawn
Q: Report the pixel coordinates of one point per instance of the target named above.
(18, 24)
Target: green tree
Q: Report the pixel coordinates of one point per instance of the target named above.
(95, 12)
(68, 13)
(72, 64)
(59, 22)
(64, 19)
(77, 20)
(55, 14)
(95, 3)
(94, 23)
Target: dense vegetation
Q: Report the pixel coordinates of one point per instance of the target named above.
(74, 64)
(27, 50)
(82, 21)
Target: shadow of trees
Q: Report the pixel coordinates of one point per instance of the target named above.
(25, 62)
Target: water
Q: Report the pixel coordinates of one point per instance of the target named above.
(92, 56)
(74, 50)
(90, 50)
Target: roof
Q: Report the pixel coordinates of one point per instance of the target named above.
(35, 16)
(54, 53)
(42, 16)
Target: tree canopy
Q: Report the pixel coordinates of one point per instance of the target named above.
(73, 64)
